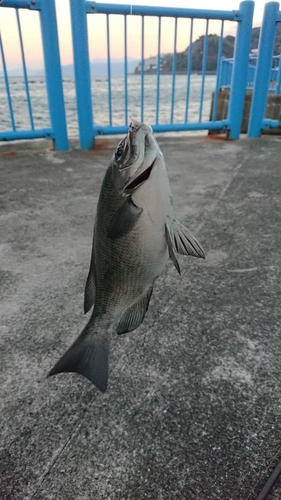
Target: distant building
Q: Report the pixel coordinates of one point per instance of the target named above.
(150, 65)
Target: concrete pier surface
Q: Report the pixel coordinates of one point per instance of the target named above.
(193, 407)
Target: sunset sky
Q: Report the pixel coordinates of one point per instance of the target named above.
(97, 33)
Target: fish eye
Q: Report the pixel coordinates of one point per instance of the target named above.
(120, 149)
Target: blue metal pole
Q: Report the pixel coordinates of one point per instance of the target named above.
(53, 73)
(189, 68)
(125, 71)
(82, 73)
(108, 70)
(204, 64)
(7, 84)
(240, 68)
(46, 133)
(278, 82)
(263, 70)
(228, 72)
(251, 73)
(24, 71)
(146, 10)
(19, 4)
(165, 127)
(223, 73)
(158, 71)
(142, 68)
(174, 69)
(219, 59)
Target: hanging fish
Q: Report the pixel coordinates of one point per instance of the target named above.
(134, 235)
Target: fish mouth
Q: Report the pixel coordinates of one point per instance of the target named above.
(138, 180)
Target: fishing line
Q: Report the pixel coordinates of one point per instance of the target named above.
(130, 46)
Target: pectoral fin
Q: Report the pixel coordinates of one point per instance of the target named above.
(171, 248)
(133, 316)
(89, 295)
(124, 220)
(184, 242)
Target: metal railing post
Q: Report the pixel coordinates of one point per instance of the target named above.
(53, 73)
(263, 70)
(88, 129)
(278, 80)
(82, 73)
(222, 76)
(240, 68)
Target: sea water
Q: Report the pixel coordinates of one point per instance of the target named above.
(100, 90)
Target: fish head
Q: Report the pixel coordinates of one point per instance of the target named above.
(135, 156)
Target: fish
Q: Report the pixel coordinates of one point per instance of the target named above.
(135, 233)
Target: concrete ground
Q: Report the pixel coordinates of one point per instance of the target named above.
(193, 407)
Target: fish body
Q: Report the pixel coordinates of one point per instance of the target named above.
(124, 266)
(135, 233)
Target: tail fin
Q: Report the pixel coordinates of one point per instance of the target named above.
(88, 356)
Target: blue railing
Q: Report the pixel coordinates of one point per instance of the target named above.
(57, 131)
(257, 120)
(88, 128)
(238, 73)
(275, 73)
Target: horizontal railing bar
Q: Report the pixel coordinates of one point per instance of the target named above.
(268, 123)
(146, 10)
(21, 4)
(178, 127)
(165, 127)
(46, 133)
(251, 85)
(251, 58)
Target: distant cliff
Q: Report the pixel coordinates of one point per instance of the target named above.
(197, 53)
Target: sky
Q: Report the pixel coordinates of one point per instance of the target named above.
(97, 34)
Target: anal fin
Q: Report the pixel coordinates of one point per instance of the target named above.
(134, 315)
